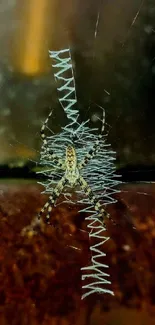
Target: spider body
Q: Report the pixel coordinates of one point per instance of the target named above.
(72, 175)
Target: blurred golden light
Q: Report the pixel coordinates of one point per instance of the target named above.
(32, 37)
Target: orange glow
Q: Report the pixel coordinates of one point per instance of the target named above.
(32, 37)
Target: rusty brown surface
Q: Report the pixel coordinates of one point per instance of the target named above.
(40, 276)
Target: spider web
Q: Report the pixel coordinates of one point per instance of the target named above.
(101, 168)
(99, 173)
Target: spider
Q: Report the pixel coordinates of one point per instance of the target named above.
(72, 176)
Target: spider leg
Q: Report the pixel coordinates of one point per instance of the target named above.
(52, 157)
(92, 152)
(97, 206)
(47, 151)
(52, 199)
(36, 222)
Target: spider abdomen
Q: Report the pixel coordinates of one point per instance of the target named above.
(71, 159)
(72, 172)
